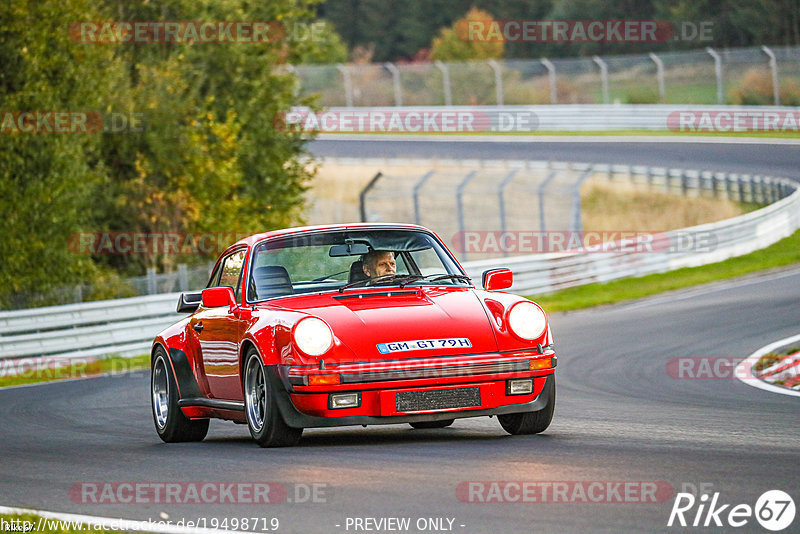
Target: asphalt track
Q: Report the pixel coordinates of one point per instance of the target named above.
(620, 416)
(734, 155)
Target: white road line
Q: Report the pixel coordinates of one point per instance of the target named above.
(712, 287)
(111, 524)
(744, 369)
(560, 139)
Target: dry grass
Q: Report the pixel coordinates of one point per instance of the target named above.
(608, 206)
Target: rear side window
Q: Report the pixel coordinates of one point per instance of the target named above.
(231, 274)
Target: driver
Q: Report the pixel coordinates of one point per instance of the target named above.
(377, 263)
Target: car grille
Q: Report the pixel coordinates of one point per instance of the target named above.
(439, 399)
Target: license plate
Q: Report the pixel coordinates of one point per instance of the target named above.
(425, 344)
(438, 399)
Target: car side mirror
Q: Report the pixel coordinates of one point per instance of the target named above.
(189, 302)
(495, 279)
(216, 297)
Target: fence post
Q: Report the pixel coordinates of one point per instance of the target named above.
(417, 187)
(540, 191)
(498, 81)
(576, 224)
(502, 201)
(460, 205)
(718, 73)
(773, 66)
(183, 277)
(551, 75)
(448, 95)
(362, 196)
(662, 86)
(603, 77)
(398, 90)
(152, 286)
(348, 85)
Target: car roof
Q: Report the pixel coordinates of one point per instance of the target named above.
(255, 238)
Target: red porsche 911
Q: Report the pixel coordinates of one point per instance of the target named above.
(364, 324)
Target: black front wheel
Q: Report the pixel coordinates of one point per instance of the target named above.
(171, 425)
(263, 418)
(531, 422)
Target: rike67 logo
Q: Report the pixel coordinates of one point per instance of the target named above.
(774, 510)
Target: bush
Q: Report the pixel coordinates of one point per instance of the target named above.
(767, 360)
(756, 90)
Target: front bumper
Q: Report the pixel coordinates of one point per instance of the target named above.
(381, 387)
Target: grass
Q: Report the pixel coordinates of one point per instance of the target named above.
(783, 253)
(615, 206)
(80, 368)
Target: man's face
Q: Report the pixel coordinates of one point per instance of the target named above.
(383, 265)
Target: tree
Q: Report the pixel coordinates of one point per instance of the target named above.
(48, 181)
(456, 43)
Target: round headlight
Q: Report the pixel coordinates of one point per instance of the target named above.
(313, 336)
(527, 320)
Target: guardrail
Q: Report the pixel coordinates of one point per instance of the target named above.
(123, 326)
(515, 119)
(127, 326)
(543, 273)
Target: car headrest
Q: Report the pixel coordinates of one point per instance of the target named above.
(357, 272)
(272, 281)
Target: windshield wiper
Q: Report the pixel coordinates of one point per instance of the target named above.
(438, 277)
(404, 279)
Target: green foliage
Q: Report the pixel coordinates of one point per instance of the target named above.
(454, 44)
(208, 158)
(47, 180)
(404, 30)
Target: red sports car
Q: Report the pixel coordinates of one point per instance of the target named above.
(360, 324)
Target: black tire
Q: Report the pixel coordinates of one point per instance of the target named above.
(264, 420)
(171, 425)
(432, 424)
(530, 422)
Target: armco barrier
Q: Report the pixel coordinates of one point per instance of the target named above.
(547, 118)
(127, 326)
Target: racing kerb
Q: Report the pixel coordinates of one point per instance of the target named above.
(126, 327)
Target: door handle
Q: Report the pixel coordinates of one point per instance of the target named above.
(198, 327)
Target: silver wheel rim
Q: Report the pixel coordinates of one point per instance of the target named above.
(160, 393)
(255, 394)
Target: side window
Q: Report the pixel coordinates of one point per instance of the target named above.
(232, 271)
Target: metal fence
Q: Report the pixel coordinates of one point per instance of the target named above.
(750, 76)
(184, 278)
(127, 326)
(501, 197)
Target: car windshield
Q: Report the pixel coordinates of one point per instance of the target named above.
(349, 259)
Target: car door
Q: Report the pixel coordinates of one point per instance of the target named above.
(219, 334)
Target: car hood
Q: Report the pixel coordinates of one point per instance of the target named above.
(365, 320)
